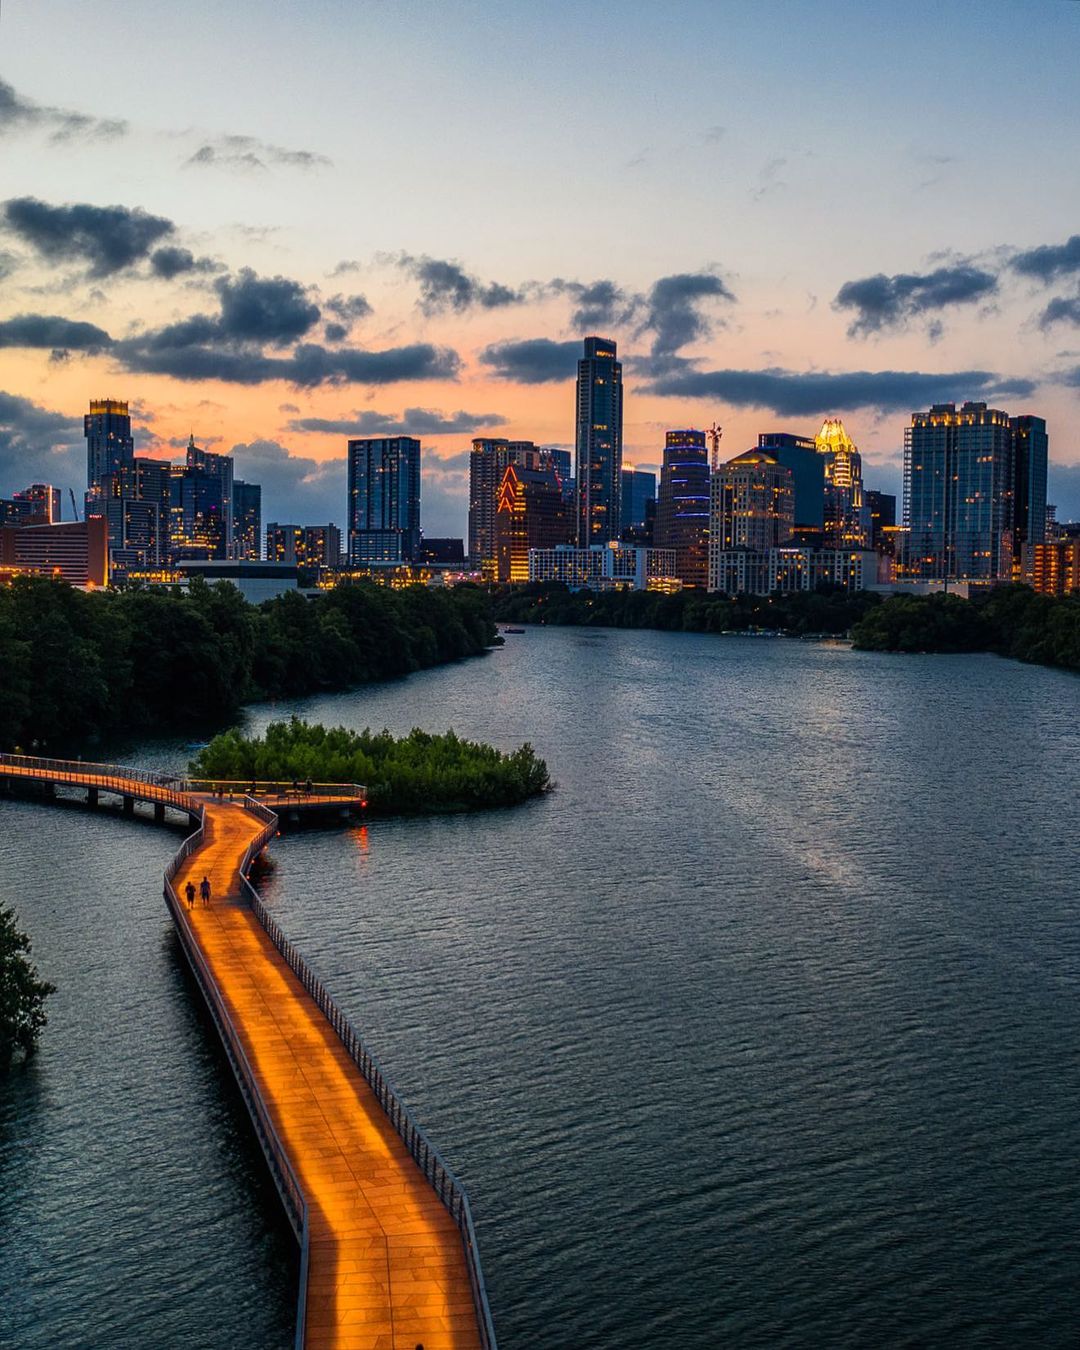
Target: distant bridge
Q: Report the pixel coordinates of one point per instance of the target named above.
(388, 1253)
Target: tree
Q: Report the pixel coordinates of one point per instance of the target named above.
(22, 994)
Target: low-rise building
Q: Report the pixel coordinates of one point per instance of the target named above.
(745, 571)
(77, 551)
(603, 567)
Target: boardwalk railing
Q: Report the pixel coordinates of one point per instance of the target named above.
(161, 787)
(446, 1186)
(241, 787)
(292, 1195)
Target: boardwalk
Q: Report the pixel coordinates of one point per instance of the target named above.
(386, 1262)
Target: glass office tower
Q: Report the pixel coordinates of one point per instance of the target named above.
(599, 443)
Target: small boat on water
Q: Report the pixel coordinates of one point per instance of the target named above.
(513, 630)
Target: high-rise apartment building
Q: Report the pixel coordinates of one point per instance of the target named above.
(247, 520)
(303, 545)
(598, 445)
(44, 502)
(212, 465)
(532, 513)
(963, 469)
(682, 512)
(847, 522)
(384, 499)
(491, 457)
(752, 507)
(1031, 447)
(109, 447)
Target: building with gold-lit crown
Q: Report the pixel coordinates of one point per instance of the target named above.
(847, 519)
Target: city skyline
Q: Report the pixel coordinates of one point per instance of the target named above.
(181, 242)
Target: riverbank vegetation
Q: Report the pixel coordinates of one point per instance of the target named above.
(1011, 620)
(76, 664)
(22, 994)
(832, 611)
(415, 774)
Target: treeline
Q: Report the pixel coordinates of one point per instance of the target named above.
(79, 664)
(414, 774)
(1011, 620)
(827, 611)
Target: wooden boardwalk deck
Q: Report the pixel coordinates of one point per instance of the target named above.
(387, 1268)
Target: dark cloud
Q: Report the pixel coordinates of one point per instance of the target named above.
(412, 422)
(881, 302)
(597, 304)
(250, 153)
(348, 308)
(1063, 309)
(673, 309)
(1049, 261)
(308, 365)
(49, 330)
(344, 267)
(109, 238)
(172, 261)
(445, 285)
(533, 360)
(39, 446)
(275, 310)
(295, 489)
(18, 113)
(795, 393)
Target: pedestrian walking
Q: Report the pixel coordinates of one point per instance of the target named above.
(189, 891)
(204, 890)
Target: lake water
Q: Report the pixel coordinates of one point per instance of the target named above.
(761, 1030)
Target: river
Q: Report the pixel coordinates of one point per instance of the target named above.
(760, 1030)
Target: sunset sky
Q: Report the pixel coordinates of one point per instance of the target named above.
(276, 225)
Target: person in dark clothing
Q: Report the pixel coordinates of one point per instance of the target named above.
(204, 890)
(189, 891)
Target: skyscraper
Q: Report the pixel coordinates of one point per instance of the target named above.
(800, 455)
(1030, 452)
(221, 467)
(847, 522)
(384, 499)
(752, 507)
(959, 493)
(532, 513)
(638, 491)
(247, 520)
(682, 514)
(598, 452)
(109, 447)
(491, 457)
(44, 501)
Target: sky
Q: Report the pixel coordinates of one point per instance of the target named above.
(275, 225)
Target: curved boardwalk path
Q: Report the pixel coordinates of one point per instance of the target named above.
(385, 1265)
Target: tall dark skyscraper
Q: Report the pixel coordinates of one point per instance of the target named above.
(109, 447)
(384, 500)
(638, 491)
(1030, 452)
(682, 513)
(598, 459)
(247, 520)
(212, 465)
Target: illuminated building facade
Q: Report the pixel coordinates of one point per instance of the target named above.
(247, 520)
(1053, 568)
(220, 467)
(682, 511)
(77, 551)
(604, 567)
(752, 506)
(109, 447)
(531, 514)
(800, 455)
(307, 546)
(197, 515)
(847, 521)
(960, 468)
(44, 503)
(743, 571)
(136, 505)
(384, 499)
(490, 458)
(598, 443)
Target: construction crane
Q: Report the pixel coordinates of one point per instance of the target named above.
(714, 433)
(74, 508)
